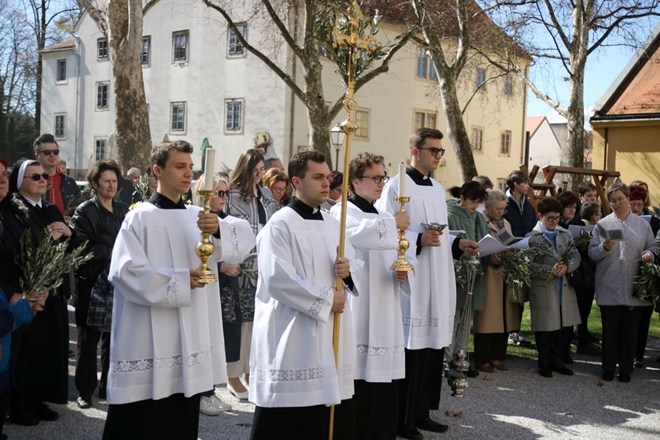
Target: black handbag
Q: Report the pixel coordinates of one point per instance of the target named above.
(99, 314)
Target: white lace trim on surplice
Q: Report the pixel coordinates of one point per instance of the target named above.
(298, 375)
(140, 365)
(318, 303)
(420, 322)
(365, 349)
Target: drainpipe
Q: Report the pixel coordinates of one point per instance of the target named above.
(77, 154)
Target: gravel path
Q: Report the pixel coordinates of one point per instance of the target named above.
(515, 404)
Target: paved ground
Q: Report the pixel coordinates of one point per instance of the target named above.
(516, 404)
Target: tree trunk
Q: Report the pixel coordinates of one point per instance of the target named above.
(319, 126)
(132, 134)
(41, 44)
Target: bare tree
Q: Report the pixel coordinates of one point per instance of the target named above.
(121, 21)
(571, 33)
(305, 26)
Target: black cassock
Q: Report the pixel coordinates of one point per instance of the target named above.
(40, 349)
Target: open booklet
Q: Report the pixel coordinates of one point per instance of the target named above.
(576, 230)
(610, 234)
(491, 245)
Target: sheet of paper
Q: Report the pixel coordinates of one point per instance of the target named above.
(490, 245)
(522, 244)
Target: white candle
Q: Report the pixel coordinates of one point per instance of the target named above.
(402, 179)
(209, 167)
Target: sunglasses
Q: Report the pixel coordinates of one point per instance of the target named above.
(37, 177)
(50, 152)
(223, 193)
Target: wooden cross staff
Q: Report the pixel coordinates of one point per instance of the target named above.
(355, 46)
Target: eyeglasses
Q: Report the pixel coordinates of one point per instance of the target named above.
(37, 177)
(222, 193)
(276, 189)
(435, 151)
(551, 218)
(376, 179)
(618, 200)
(50, 152)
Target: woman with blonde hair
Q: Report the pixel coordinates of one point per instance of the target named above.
(277, 182)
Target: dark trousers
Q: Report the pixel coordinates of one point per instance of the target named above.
(4, 407)
(376, 410)
(490, 347)
(643, 331)
(304, 423)
(88, 341)
(551, 346)
(620, 328)
(585, 299)
(419, 391)
(175, 417)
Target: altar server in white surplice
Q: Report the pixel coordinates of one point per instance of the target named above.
(292, 366)
(166, 340)
(428, 313)
(377, 328)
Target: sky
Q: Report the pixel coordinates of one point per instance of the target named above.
(602, 69)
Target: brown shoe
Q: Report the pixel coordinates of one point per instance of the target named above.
(486, 368)
(499, 365)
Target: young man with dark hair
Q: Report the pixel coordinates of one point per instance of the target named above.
(428, 313)
(166, 340)
(62, 187)
(587, 193)
(292, 365)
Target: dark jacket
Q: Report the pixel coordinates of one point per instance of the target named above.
(69, 189)
(522, 220)
(126, 190)
(100, 227)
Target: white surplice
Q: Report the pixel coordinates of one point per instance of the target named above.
(428, 313)
(166, 338)
(377, 310)
(291, 360)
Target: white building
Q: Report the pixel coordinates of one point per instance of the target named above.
(200, 82)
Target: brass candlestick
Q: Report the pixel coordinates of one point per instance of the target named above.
(204, 248)
(401, 264)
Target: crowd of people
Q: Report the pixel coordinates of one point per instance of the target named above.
(266, 329)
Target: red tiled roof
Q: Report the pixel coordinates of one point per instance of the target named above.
(532, 123)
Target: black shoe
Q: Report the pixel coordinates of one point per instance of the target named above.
(44, 413)
(431, 425)
(567, 360)
(608, 377)
(561, 369)
(545, 372)
(639, 363)
(625, 378)
(471, 372)
(84, 403)
(410, 433)
(24, 419)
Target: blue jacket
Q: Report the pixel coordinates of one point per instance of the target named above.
(11, 318)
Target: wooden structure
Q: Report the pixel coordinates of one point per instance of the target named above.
(599, 178)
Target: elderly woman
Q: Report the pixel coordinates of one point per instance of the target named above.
(250, 201)
(499, 315)
(96, 221)
(617, 264)
(552, 300)
(277, 182)
(41, 350)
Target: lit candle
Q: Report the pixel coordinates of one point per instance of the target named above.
(209, 166)
(402, 179)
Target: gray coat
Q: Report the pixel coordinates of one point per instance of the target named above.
(616, 269)
(547, 314)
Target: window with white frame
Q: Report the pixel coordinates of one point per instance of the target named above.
(145, 52)
(508, 85)
(424, 119)
(178, 117)
(425, 66)
(501, 183)
(477, 138)
(180, 46)
(60, 125)
(102, 90)
(505, 143)
(234, 108)
(102, 49)
(481, 78)
(100, 145)
(61, 71)
(234, 46)
(362, 117)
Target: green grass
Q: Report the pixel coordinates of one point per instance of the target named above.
(595, 328)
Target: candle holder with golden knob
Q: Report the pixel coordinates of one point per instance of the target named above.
(401, 264)
(204, 248)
